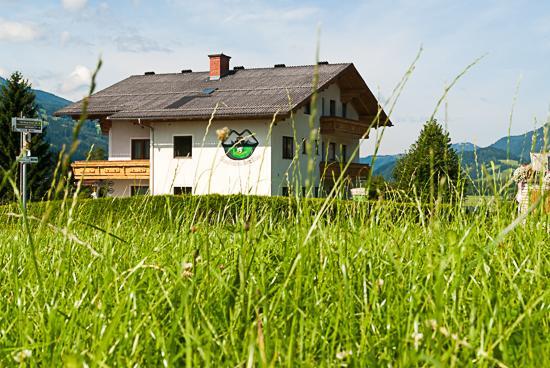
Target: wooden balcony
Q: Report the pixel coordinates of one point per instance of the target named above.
(337, 126)
(111, 170)
(330, 170)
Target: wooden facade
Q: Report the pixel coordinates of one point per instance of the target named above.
(111, 170)
(332, 170)
(337, 126)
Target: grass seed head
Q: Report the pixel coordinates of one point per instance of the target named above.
(21, 355)
(341, 355)
(222, 134)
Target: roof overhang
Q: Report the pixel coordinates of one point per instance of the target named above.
(353, 90)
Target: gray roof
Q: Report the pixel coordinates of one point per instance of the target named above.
(244, 93)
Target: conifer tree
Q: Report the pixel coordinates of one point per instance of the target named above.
(431, 166)
(16, 100)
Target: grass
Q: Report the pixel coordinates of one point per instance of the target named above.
(249, 281)
(224, 281)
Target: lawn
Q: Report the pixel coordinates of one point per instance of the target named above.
(248, 281)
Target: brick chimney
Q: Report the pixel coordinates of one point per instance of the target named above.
(219, 66)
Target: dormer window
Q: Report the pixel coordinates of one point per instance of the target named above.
(344, 110)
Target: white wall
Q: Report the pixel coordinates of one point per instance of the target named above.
(287, 172)
(121, 188)
(120, 136)
(210, 170)
(333, 93)
(283, 175)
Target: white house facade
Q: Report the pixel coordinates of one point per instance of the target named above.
(264, 131)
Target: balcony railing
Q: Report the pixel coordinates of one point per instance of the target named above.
(332, 170)
(337, 126)
(111, 170)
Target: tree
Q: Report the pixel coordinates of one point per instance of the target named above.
(430, 166)
(97, 153)
(17, 99)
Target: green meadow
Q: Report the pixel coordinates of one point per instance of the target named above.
(226, 281)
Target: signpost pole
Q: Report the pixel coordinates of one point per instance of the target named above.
(25, 127)
(26, 141)
(21, 168)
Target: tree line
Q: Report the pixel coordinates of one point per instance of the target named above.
(18, 100)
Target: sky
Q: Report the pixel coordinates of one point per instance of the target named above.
(56, 45)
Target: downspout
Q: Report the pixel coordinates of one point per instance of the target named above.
(151, 157)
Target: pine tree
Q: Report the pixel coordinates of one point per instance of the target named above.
(430, 166)
(17, 99)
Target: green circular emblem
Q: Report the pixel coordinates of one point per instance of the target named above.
(240, 146)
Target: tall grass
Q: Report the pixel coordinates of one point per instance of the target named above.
(231, 281)
(255, 281)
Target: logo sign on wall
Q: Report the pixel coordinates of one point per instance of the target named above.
(239, 145)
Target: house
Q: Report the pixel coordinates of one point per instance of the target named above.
(231, 131)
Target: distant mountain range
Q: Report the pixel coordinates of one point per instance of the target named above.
(60, 130)
(506, 153)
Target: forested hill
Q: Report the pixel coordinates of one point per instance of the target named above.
(59, 130)
(507, 153)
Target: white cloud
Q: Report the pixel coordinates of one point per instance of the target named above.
(79, 78)
(74, 5)
(274, 15)
(3, 73)
(137, 43)
(65, 38)
(103, 8)
(17, 32)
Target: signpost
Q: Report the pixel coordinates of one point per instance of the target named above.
(25, 127)
(28, 160)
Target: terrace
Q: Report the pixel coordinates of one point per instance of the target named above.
(90, 171)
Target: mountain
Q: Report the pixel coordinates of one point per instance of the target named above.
(59, 131)
(506, 154)
(464, 147)
(522, 145)
(383, 165)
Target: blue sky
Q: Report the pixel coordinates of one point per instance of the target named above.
(56, 44)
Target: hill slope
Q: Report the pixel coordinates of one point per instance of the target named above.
(60, 130)
(473, 157)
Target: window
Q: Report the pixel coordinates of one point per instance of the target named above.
(183, 190)
(304, 146)
(344, 110)
(136, 190)
(304, 192)
(332, 108)
(307, 108)
(183, 146)
(288, 148)
(323, 106)
(285, 191)
(344, 152)
(332, 151)
(140, 149)
(316, 192)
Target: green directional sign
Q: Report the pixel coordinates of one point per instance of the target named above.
(28, 160)
(25, 125)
